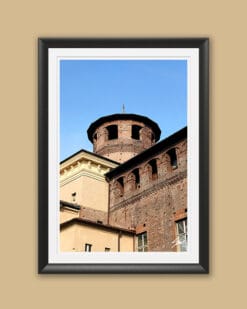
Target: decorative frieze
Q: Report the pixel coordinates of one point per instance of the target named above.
(84, 164)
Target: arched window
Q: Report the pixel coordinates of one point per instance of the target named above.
(112, 131)
(154, 170)
(173, 157)
(120, 185)
(135, 132)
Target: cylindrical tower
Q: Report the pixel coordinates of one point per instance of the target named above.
(122, 136)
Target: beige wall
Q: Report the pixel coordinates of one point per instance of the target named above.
(68, 214)
(90, 192)
(67, 239)
(74, 237)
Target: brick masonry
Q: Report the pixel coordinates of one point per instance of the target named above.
(150, 196)
(124, 147)
(93, 215)
(156, 203)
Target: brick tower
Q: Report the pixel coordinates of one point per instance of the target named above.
(122, 136)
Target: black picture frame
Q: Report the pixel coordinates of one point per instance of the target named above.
(44, 267)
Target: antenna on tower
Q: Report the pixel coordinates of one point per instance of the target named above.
(123, 109)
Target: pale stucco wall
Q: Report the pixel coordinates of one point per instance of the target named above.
(127, 243)
(74, 237)
(68, 214)
(83, 174)
(67, 239)
(90, 192)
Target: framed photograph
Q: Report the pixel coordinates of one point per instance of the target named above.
(123, 155)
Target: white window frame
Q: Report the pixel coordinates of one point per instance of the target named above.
(180, 235)
(88, 246)
(143, 244)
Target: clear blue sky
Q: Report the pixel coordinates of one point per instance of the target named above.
(94, 88)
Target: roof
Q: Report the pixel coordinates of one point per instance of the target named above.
(146, 154)
(70, 205)
(153, 125)
(97, 225)
(91, 153)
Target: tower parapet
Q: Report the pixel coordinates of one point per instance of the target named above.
(122, 136)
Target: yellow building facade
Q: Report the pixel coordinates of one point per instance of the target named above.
(82, 180)
(79, 235)
(84, 192)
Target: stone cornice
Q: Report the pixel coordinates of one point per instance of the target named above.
(87, 157)
(154, 188)
(84, 164)
(71, 177)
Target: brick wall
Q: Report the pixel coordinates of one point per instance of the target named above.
(93, 214)
(156, 201)
(149, 196)
(124, 147)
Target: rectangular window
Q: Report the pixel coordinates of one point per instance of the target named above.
(181, 229)
(173, 158)
(142, 242)
(135, 134)
(107, 249)
(88, 247)
(112, 131)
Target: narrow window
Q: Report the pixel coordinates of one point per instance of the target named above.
(107, 249)
(137, 177)
(181, 230)
(154, 170)
(112, 132)
(88, 247)
(173, 157)
(95, 137)
(135, 134)
(142, 242)
(120, 183)
(73, 196)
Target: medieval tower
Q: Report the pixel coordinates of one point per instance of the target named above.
(120, 137)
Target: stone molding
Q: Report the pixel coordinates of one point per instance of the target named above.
(84, 164)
